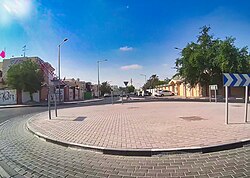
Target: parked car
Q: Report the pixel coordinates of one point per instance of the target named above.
(106, 95)
(164, 93)
(147, 93)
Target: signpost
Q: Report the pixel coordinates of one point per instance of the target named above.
(55, 82)
(213, 88)
(112, 96)
(125, 83)
(236, 80)
(49, 98)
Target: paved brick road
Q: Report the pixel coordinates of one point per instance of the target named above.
(33, 157)
(157, 125)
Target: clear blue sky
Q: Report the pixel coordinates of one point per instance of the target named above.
(136, 36)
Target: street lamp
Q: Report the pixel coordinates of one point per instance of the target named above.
(59, 67)
(145, 80)
(145, 77)
(98, 75)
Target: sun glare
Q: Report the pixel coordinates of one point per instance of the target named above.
(14, 10)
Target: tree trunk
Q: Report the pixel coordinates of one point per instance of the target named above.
(31, 96)
(19, 96)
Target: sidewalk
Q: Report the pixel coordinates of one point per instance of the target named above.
(144, 126)
(46, 104)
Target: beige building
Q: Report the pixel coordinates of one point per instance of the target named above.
(180, 88)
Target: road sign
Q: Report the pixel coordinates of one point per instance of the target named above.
(125, 83)
(236, 80)
(213, 87)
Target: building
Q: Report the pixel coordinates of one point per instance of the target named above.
(22, 96)
(74, 89)
(182, 89)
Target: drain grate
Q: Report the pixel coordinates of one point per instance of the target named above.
(237, 106)
(133, 107)
(192, 118)
(79, 118)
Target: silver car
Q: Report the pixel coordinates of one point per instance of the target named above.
(164, 93)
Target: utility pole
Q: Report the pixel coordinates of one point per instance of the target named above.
(98, 76)
(59, 68)
(24, 50)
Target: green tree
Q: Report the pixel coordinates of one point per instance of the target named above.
(167, 80)
(204, 62)
(151, 82)
(162, 82)
(25, 76)
(154, 81)
(131, 89)
(105, 88)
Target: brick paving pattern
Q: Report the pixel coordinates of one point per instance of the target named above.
(157, 125)
(30, 156)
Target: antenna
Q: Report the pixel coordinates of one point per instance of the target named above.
(24, 50)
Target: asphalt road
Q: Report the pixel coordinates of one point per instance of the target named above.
(25, 155)
(8, 113)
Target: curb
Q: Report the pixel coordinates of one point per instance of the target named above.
(45, 105)
(128, 101)
(20, 106)
(141, 152)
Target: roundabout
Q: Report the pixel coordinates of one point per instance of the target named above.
(146, 127)
(29, 156)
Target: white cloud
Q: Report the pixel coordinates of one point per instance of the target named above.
(126, 48)
(131, 67)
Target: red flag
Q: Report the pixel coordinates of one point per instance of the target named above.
(2, 54)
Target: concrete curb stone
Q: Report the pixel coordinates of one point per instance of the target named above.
(141, 152)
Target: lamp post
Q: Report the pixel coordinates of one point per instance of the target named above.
(145, 77)
(112, 92)
(98, 75)
(59, 67)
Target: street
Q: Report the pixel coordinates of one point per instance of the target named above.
(28, 156)
(124, 89)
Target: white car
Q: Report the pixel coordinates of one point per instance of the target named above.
(106, 95)
(164, 93)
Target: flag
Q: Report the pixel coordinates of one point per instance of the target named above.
(2, 54)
